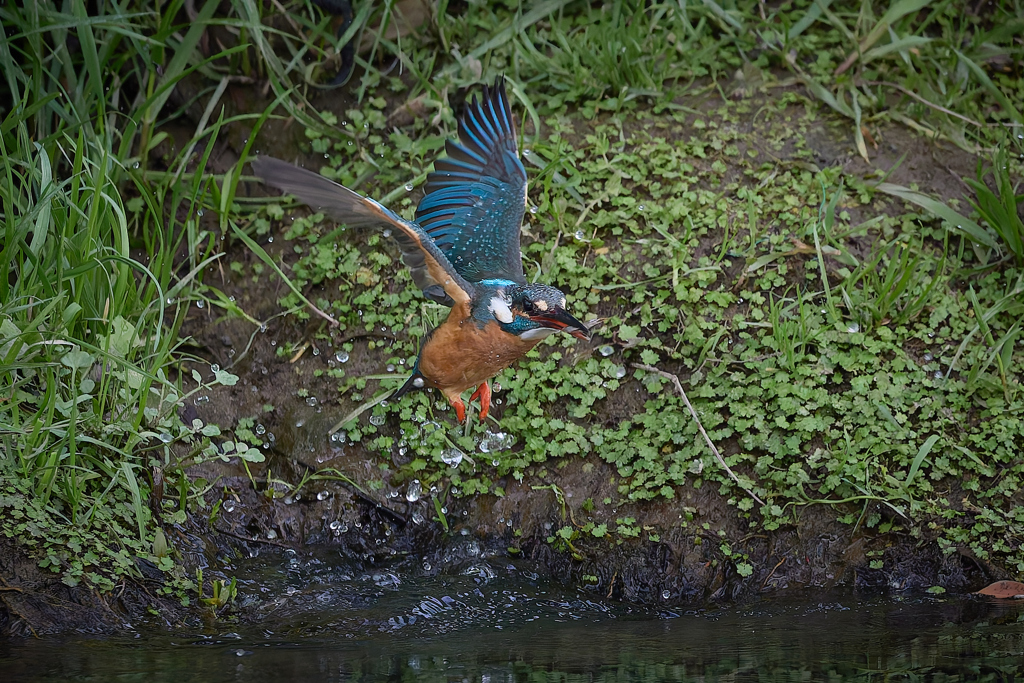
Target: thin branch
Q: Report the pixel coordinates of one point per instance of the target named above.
(679, 387)
(240, 537)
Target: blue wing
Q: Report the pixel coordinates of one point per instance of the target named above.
(475, 198)
(431, 271)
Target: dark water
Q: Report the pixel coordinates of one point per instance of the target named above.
(494, 623)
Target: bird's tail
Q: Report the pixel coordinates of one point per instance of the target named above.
(415, 382)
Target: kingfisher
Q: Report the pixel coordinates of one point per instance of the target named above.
(463, 251)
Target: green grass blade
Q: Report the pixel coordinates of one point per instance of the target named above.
(922, 453)
(963, 224)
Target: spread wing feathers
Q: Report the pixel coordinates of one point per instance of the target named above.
(475, 198)
(430, 269)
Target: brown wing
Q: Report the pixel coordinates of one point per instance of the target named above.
(431, 270)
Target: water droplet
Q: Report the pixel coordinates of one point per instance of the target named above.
(311, 401)
(606, 350)
(417, 518)
(418, 382)
(415, 490)
(200, 400)
(853, 328)
(580, 235)
(496, 441)
(260, 429)
(200, 304)
(341, 356)
(376, 420)
(228, 506)
(939, 375)
(928, 357)
(665, 595)
(527, 152)
(200, 213)
(271, 535)
(387, 232)
(390, 367)
(641, 208)
(534, 209)
(452, 457)
(323, 495)
(408, 187)
(214, 368)
(338, 437)
(426, 566)
(619, 371)
(165, 437)
(170, 301)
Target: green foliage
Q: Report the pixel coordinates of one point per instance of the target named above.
(826, 375)
(105, 244)
(1001, 209)
(696, 219)
(928, 65)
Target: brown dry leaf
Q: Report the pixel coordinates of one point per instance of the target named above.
(1006, 590)
(406, 114)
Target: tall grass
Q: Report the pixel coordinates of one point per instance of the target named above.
(90, 310)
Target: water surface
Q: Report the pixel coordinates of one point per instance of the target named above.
(491, 622)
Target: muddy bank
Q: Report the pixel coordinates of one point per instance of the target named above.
(686, 553)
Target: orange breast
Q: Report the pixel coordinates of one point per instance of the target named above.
(461, 355)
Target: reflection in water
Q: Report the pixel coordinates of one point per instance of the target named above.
(496, 624)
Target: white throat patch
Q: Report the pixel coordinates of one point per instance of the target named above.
(500, 309)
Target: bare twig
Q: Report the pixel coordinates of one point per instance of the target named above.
(772, 573)
(251, 540)
(718, 456)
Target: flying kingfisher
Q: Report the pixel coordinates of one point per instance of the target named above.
(463, 251)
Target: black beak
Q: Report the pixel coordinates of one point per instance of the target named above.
(558, 319)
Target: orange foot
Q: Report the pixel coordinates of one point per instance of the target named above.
(484, 392)
(460, 408)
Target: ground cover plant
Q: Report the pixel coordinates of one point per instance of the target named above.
(846, 340)
(834, 341)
